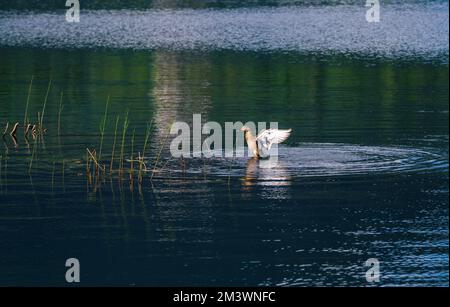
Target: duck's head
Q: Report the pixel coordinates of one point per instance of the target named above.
(245, 129)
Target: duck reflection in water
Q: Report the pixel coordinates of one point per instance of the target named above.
(271, 178)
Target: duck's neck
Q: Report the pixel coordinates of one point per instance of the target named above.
(248, 135)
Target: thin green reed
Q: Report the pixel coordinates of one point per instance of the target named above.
(102, 129)
(124, 132)
(45, 103)
(147, 135)
(61, 107)
(114, 144)
(132, 151)
(25, 117)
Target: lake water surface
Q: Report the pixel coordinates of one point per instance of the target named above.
(363, 175)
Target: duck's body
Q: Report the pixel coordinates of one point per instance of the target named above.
(265, 138)
(252, 143)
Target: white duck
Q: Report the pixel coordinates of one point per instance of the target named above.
(265, 139)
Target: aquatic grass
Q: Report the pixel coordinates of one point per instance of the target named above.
(141, 158)
(142, 167)
(114, 145)
(6, 129)
(34, 151)
(88, 163)
(60, 109)
(135, 156)
(124, 132)
(92, 155)
(25, 117)
(147, 135)
(102, 129)
(41, 120)
(132, 153)
(88, 168)
(35, 127)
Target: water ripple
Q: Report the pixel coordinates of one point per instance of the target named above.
(324, 160)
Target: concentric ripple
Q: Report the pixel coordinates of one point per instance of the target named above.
(324, 160)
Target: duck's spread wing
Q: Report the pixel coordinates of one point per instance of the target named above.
(272, 136)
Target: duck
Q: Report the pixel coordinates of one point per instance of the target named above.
(264, 140)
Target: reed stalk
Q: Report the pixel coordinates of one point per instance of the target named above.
(124, 132)
(114, 145)
(141, 159)
(36, 127)
(88, 168)
(88, 163)
(132, 153)
(61, 107)
(159, 153)
(41, 121)
(25, 117)
(6, 128)
(93, 157)
(102, 129)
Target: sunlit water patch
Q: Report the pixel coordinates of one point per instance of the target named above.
(411, 30)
